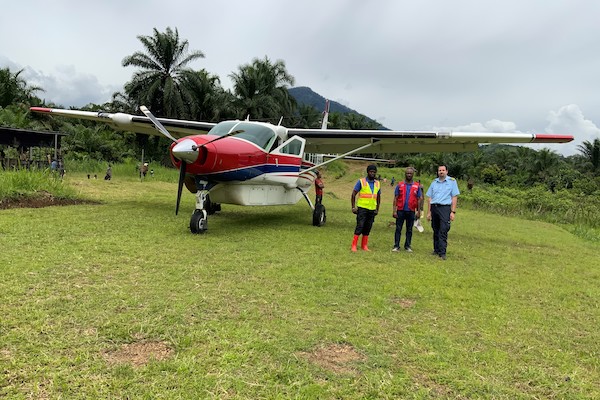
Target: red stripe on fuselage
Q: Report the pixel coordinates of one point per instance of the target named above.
(230, 154)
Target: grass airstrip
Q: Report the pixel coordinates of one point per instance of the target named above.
(117, 299)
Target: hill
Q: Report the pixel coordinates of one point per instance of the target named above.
(305, 95)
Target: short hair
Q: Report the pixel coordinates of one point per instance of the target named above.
(372, 167)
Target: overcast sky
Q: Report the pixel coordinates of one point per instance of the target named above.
(469, 65)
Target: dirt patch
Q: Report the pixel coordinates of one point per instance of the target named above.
(42, 199)
(139, 354)
(338, 358)
(404, 303)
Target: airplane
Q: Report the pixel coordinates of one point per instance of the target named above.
(250, 163)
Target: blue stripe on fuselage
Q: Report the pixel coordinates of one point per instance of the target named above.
(244, 174)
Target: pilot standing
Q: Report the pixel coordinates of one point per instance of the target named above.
(367, 206)
(319, 188)
(441, 201)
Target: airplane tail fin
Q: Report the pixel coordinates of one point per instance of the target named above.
(325, 115)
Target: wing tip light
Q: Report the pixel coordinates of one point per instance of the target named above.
(40, 109)
(551, 138)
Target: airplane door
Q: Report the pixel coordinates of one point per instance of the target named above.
(290, 151)
(285, 162)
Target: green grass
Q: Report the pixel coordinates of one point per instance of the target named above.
(513, 313)
(23, 183)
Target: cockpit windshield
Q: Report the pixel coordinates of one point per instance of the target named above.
(258, 134)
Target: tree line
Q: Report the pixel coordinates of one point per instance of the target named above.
(164, 81)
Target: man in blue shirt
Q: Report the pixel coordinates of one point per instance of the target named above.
(441, 202)
(407, 201)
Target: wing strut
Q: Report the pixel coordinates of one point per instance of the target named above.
(373, 141)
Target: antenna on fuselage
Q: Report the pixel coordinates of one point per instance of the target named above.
(280, 121)
(248, 117)
(325, 115)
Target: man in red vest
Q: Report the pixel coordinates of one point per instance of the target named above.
(408, 200)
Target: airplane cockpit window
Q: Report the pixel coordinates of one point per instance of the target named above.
(257, 134)
(222, 128)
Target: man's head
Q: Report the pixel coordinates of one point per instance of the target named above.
(442, 172)
(318, 174)
(409, 172)
(371, 171)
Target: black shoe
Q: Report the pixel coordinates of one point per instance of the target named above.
(434, 253)
(443, 256)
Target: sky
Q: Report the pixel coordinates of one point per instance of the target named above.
(462, 65)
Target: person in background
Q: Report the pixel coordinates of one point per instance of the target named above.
(442, 197)
(407, 204)
(319, 188)
(108, 175)
(144, 170)
(366, 208)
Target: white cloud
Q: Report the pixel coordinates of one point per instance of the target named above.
(68, 87)
(569, 119)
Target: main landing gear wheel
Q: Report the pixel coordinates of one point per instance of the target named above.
(199, 222)
(319, 216)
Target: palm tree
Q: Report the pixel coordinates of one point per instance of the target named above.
(260, 90)
(209, 100)
(358, 121)
(308, 117)
(544, 164)
(591, 151)
(161, 82)
(14, 89)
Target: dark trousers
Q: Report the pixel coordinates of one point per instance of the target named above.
(364, 221)
(409, 217)
(440, 223)
(318, 199)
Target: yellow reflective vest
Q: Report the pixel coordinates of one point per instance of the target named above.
(367, 198)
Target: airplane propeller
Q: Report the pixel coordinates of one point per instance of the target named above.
(159, 127)
(180, 185)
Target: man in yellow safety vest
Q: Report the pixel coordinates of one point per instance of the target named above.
(366, 208)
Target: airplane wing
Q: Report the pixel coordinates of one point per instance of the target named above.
(133, 123)
(342, 141)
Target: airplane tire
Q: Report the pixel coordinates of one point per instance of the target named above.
(199, 222)
(319, 215)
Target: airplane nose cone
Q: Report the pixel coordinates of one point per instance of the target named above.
(185, 152)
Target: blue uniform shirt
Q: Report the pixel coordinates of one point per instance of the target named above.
(408, 187)
(442, 192)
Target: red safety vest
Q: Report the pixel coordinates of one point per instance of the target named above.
(413, 200)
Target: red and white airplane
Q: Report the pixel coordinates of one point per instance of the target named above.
(257, 163)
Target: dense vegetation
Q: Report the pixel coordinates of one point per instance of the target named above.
(164, 81)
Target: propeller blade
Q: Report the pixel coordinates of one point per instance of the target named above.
(159, 127)
(180, 185)
(219, 138)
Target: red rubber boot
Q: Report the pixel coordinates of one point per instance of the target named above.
(354, 243)
(365, 241)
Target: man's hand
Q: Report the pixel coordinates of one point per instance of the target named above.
(428, 215)
(395, 214)
(376, 212)
(354, 210)
(451, 216)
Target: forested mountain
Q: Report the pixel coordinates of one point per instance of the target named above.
(305, 95)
